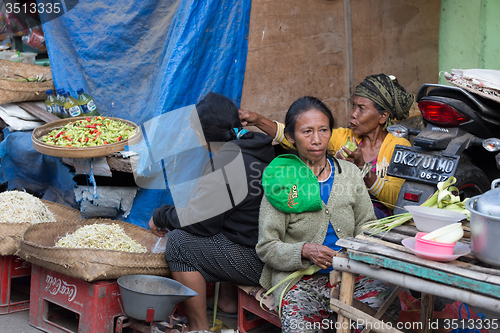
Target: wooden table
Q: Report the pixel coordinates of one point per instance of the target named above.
(382, 256)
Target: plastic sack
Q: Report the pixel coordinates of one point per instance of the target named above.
(35, 39)
(467, 330)
(5, 28)
(161, 244)
(410, 311)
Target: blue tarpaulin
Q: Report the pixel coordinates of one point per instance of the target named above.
(139, 59)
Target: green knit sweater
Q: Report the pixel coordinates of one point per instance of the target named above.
(282, 235)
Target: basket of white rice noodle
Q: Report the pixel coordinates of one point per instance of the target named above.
(93, 249)
(19, 209)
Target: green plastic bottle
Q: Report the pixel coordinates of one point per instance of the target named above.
(50, 102)
(61, 113)
(87, 104)
(71, 106)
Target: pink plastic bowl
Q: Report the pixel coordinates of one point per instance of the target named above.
(434, 247)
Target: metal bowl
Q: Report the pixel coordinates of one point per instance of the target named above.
(151, 298)
(484, 234)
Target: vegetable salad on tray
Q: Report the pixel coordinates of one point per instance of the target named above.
(89, 132)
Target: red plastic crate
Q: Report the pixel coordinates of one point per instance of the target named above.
(15, 285)
(60, 303)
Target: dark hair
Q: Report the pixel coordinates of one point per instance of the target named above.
(218, 116)
(302, 105)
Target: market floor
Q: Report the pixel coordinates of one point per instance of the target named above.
(18, 323)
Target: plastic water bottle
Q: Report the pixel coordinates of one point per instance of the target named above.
(50, 102)
(87, 104)
(60, 104)
(71, 106)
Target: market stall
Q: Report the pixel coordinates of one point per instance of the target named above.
(141, 65)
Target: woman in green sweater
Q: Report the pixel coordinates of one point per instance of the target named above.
(377, 101)
(310, 201)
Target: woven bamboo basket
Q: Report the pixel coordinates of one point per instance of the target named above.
(10, 233)
(37, 246)
(16, 91)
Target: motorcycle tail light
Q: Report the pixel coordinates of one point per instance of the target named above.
(412, 196)
(441, 114)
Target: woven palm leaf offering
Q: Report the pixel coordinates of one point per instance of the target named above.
(93, 249)
(18, 210)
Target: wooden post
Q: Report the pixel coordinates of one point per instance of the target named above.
(346, 292)
(426, 312)
(348, 56)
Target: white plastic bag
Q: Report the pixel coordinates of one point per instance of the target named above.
(161, 244)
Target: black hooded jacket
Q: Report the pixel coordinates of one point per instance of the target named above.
(225, 206)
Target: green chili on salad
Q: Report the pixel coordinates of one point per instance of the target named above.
(89, 132)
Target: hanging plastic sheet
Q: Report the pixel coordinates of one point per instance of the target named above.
(140, 59)
(23, 167)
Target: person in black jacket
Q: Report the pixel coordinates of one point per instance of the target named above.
(213, 238)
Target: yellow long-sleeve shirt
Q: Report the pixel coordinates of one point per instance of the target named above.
(386, 188)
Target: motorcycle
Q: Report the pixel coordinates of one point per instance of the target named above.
(458, 122)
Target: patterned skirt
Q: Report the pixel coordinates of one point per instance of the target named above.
(217, 258)
(306, 307)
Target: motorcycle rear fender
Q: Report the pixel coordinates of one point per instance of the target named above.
(435, 137)
(484, 116)
(424, 191)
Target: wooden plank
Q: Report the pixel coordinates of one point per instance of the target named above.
(119, 164)
(38, 112)
(369, 247)
(363, 307)
(404, 229)
(384, 243)
(465, 265)
(428, 273)
(344, 310)
(388, 236)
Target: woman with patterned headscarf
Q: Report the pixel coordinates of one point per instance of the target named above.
(378, 100)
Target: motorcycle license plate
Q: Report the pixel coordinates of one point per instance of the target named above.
(422, 166)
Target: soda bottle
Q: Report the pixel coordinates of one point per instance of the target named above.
(50, 102)
(60, 103)
(71, 106)
(87, 104)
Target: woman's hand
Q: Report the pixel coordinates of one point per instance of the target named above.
(319, 255)
(154, 229)
(249, 118)
(355, 156)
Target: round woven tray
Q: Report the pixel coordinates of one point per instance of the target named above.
(80, 152)
(10, 233)
(18, 91)
(37, 246)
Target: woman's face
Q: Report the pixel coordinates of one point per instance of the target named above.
(364, 117)
(311, 136)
